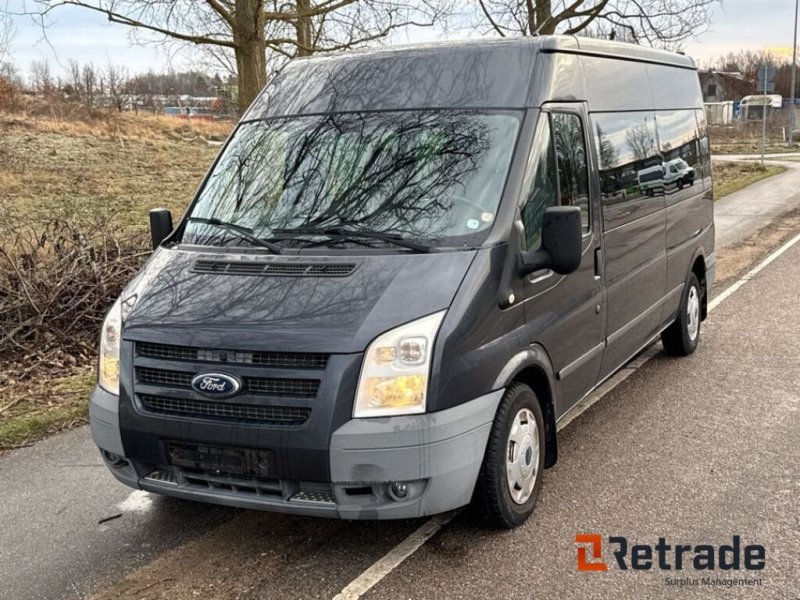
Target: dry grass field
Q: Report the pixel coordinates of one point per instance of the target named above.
(69, 190)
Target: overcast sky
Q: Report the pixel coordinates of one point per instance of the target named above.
(85, 36)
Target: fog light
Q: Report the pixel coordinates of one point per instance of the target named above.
(115, 461)
(398, 490)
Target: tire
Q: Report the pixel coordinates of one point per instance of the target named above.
(518, 416)
(681, 338)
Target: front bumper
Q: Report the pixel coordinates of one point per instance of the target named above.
(437, 456)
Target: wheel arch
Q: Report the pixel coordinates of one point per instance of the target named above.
(698, 267)
(533, 368)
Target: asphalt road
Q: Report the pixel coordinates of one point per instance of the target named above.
(694, 450)
(743, 213)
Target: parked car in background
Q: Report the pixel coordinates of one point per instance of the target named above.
(678, 173)
(201, 113)
(651, 180)
(181, 112)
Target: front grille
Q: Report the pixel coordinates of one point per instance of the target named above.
(288, 360)
(163, 377)
(276, 269)
(307, 388)
(275, 415)
(304, 388)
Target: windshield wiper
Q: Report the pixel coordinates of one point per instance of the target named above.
(353, 233)
(244, 232)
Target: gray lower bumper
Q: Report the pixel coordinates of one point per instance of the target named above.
(436, 455)
(104, 421)
(440, 452)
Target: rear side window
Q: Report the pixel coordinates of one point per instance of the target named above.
(705, 151)
(631, 167)
(681, 150)
(573, 176)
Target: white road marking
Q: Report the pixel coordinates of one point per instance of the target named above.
(752, 273)
(394, 557)
(369, 578)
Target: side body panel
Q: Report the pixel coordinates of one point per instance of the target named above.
(690, 209)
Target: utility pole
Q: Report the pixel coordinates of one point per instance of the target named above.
(792, 115)
(764, 118)
(766, 82)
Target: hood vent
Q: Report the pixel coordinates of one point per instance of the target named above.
(274, 269)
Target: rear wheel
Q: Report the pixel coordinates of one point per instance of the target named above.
(511, 476)
(681, 338)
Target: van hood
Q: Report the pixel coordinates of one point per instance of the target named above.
(337, 304)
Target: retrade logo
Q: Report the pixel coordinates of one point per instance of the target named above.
(216, 385)
(590, 552)
(665, 556)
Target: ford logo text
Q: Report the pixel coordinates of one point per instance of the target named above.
(216, 385)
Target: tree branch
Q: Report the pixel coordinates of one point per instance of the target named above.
(489, 18)
(115, 17)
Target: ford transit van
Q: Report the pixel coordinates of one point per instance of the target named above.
(405, 267)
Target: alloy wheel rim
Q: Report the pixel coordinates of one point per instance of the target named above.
(522, 456)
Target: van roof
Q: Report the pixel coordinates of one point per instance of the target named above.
(546, 43)
(482, 73)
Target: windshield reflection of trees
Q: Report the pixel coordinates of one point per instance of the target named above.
(421, 174)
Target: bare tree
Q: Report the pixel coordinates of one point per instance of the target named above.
(655, 22)
(640, 141)
(41, 78)
(608, 153)
(249, 28)
(115, 79)
(7, 34)
(84, 82)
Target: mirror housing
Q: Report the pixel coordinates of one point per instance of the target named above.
(160, 225)
(562, 236)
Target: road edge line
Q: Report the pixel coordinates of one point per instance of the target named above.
(390, 561)
(752, 273)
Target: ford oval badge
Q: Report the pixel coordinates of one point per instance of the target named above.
(216, 385)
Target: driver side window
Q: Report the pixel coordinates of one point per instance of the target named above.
(540, 182)
(557, 173)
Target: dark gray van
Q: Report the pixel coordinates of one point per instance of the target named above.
(403, 269)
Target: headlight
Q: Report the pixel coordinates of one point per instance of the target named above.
(108, 371)
(394, 376)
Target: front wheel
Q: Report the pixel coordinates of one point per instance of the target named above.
(681, 338)
(511, 476)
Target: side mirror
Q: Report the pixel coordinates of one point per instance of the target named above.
(160, 225)
(562, 234)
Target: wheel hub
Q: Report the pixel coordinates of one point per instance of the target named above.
(522, 456)
(693, 313)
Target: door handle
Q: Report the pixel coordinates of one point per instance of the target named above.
(598, 263)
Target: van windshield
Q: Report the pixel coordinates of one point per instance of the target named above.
(427, 175)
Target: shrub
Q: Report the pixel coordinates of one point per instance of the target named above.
(58, 277)
(9, 96)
